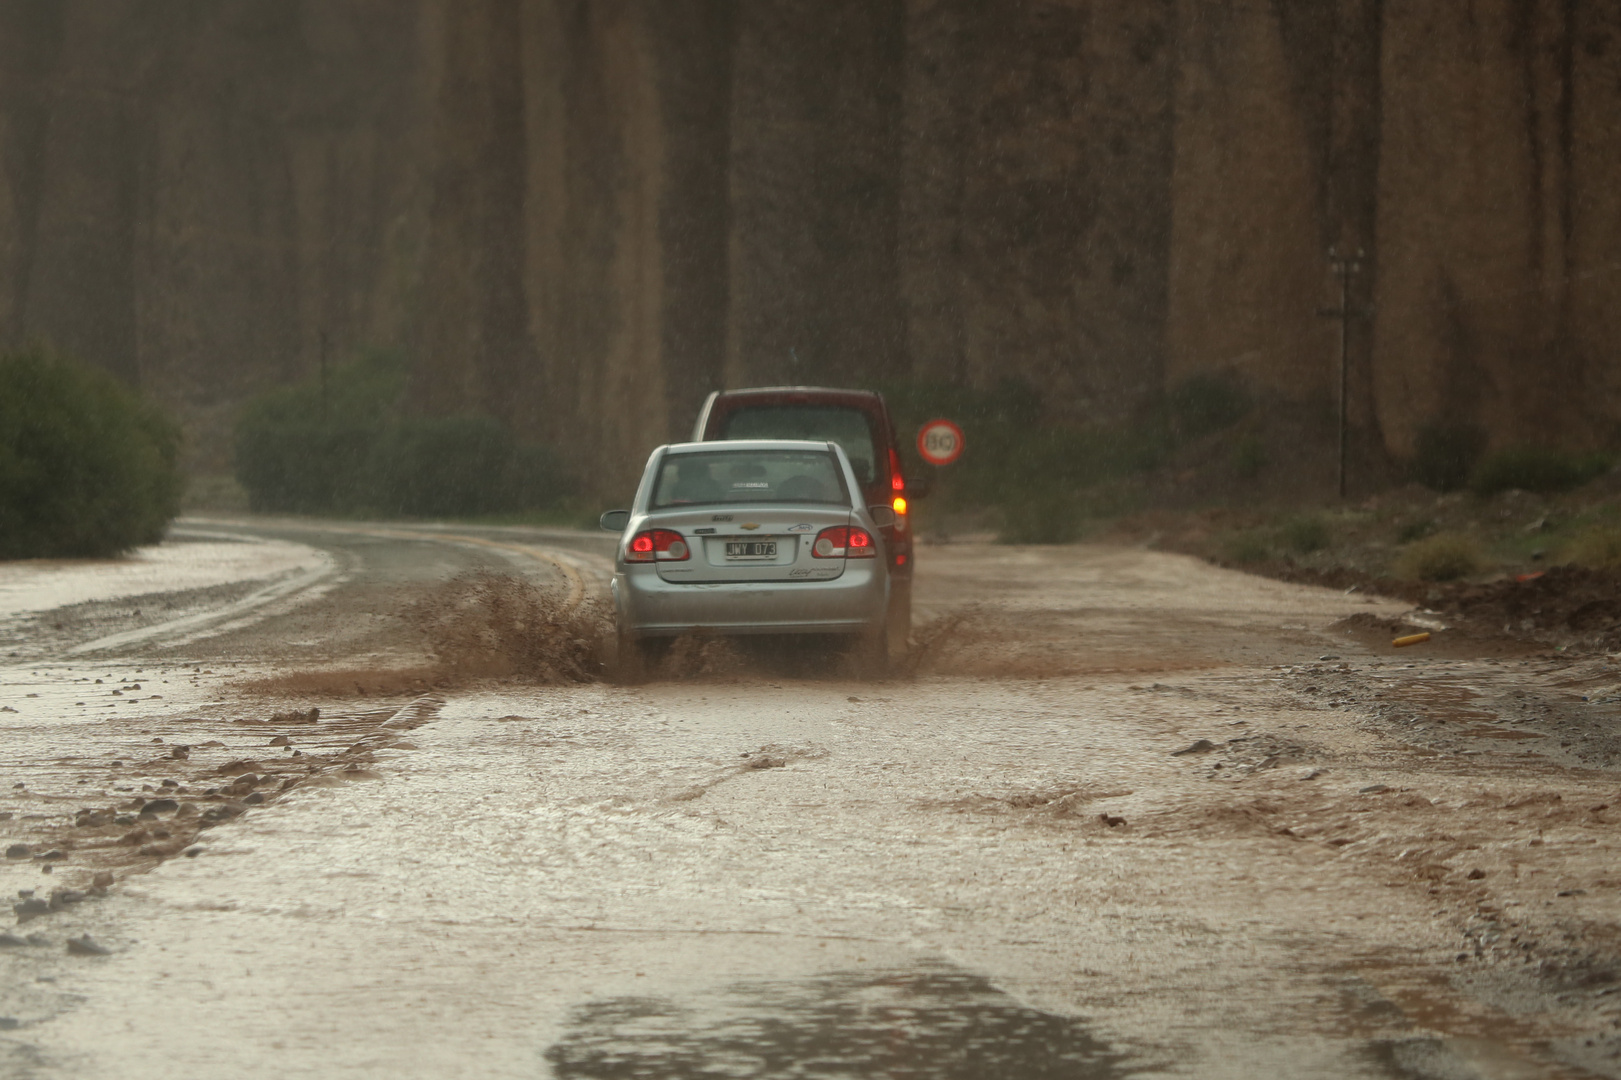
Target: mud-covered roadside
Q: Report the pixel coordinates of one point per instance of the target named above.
(129, 794)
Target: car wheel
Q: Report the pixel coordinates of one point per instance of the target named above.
(630, 659)
(900, 620)
(871, 653)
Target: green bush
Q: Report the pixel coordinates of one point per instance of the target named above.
(1250, 456)
(87, 467)
(1445, 454)
(1304, 535)
(1244, 547)
(350, 448)
(1598, 546)
(1416, 529)
(1442, 557)
(1206, 403)
(1536, 468)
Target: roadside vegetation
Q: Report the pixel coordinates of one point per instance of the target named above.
(1034, 479)
(1212, 471)
(88, 468)
(349, 445)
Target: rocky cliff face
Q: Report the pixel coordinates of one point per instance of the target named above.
(191, 194)
(582, 215)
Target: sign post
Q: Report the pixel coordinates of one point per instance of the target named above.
(940, 442)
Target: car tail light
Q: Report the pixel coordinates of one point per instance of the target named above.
(657, 544)
(844, 542)
(896, 480)
(899, 505)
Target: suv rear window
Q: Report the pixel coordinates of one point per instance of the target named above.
(850, 428)
(749, 476)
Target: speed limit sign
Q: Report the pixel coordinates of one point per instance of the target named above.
(940, 442)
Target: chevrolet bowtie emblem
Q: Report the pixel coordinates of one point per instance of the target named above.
(751, 525)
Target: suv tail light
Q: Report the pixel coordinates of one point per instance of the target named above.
(844, 542)
(897, 481)
(657, 544)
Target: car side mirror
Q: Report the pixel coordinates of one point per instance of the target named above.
(615, 520)
(918, 486)
(882, 516)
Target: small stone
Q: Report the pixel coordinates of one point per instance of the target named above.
(84, 945)
(193, 851)
(170, 783)
(281, 740)
(53, 855)
(1111, 821)
(1571, 892)
(8, 940)
(1373, 789)
(38, 940)
(181, 752)
(1476, 874)
(124, 819)
(1198, 746)
(1328, 656)
(19, 851)
(103, 879)
(61, 898)
(254, 799)
(32, 908)
(159, 806)
(1311, 774)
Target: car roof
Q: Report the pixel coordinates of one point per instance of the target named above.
(716, 446)
(831, 395)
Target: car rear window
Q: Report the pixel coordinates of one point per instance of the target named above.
(749, 476)
(850, 428)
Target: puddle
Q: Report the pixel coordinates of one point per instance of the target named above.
(938, 1023)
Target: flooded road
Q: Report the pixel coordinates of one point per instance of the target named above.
(1130, 815)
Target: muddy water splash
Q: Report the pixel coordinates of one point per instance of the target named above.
(484, 624)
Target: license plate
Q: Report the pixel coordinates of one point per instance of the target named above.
(751, 549)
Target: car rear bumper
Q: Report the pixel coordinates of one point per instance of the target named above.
(649, 606)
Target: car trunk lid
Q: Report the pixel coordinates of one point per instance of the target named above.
(757, 543)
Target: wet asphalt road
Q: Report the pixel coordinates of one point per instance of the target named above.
(1001, 868)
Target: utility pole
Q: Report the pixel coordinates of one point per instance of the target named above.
(323, 376)
(1344, 266)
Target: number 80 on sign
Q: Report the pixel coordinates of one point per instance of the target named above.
(940, 442)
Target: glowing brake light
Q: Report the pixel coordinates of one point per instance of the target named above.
(844, 542)
(896, 480)
(661, 545)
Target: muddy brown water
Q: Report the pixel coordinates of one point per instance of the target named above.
(999, 867)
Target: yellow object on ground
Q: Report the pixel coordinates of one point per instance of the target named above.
(1411, 639)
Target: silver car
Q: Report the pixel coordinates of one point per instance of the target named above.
(750, 537)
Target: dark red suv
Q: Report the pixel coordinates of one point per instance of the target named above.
(860, 423)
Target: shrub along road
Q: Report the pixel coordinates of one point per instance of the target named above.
(1128, 814)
